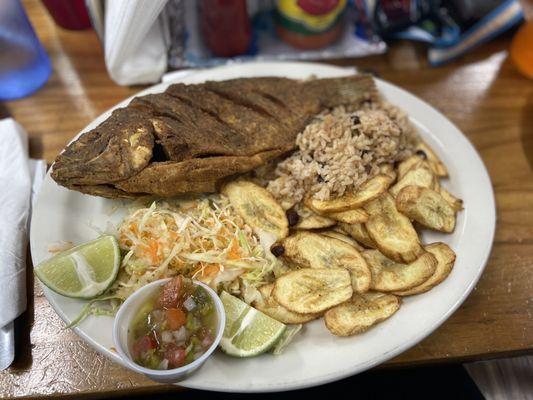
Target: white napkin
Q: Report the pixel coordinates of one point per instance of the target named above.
(135, 50)
(16, 176)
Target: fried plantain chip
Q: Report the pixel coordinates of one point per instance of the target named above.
(419, 175)
(281, 267)
(361, 313)
(356, 216)
(359, 233)
(445, 260)
(388, 170)
(368, 191)
(390, 276)
(287, 204)
(272, 308)
(341, 236)
(436, 164)
(258, 208)
(407, 164)
(392, 231)
(312, 250)
(311, 220)
(457, 204)
(427, 207)
(311, 290)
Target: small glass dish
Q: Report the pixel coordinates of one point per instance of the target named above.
(129, 309)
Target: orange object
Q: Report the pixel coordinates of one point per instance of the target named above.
(522, 49)
(175, 318)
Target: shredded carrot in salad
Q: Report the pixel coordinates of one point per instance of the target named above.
(203, 239)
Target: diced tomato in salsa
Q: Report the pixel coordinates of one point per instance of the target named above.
(176, 318)
(171, 293)
(175, 327)
(143, 344)
(175, 355)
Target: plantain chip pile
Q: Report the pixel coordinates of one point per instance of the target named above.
(351, 259)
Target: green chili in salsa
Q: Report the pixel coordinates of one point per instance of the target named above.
(174, 327)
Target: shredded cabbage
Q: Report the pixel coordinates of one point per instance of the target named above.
(110, 306)
(204, 239)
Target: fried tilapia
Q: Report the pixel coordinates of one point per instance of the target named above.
(192, 137)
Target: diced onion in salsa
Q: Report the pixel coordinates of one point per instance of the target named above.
(174, 327)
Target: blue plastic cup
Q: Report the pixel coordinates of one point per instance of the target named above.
(24, 65)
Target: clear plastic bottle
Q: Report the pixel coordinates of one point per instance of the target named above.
(24, 65)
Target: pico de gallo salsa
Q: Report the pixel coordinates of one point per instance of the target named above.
(174, 327)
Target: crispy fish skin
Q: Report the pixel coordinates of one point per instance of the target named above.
(349, 90)
(361, 313)
(107, 191)
(176, 125)
(274, 97)
(197, 175)
(257, 131)
(192, 137)
(117, 149)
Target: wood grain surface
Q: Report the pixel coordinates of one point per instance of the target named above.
(482, 93)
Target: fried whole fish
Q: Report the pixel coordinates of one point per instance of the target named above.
(192, 137)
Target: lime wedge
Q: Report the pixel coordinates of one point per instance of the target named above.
(248, 332)
(85, 271)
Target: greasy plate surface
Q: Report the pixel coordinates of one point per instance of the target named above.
(316, 356)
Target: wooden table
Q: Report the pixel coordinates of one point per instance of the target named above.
(482, 93)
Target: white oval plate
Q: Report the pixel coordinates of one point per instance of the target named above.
(315, 357)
